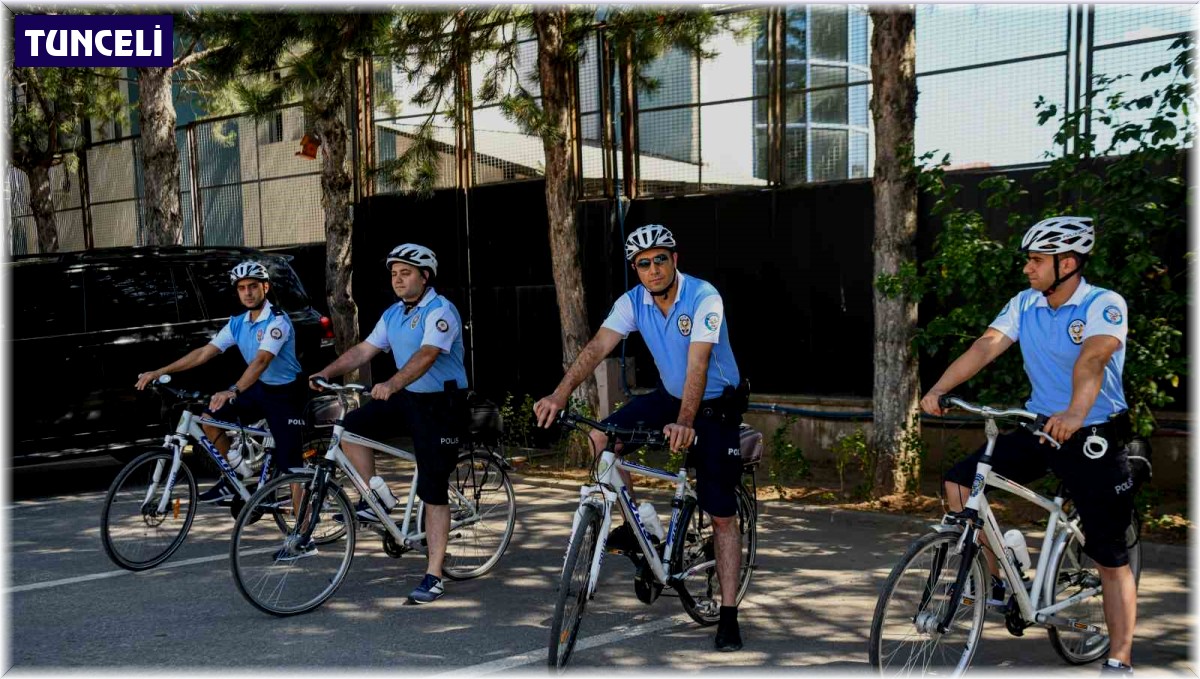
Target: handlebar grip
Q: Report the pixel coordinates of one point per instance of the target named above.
(944, 401)
(1040, 423)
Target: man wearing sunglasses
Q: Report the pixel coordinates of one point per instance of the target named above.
(682, 320)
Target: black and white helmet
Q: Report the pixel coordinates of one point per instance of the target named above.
(646, 237)
(1058, 235)
(416, 255)
(250, 269)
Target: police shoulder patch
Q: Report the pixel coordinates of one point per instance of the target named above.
(712, 321)
(1112, 314)
(442, 325)
(276, 333)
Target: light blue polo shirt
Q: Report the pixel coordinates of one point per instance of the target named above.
(432, 322)
(1052, 339)
(272, 332)
(697, 315)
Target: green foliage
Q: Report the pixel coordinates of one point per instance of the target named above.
(50, 107)
(1136, 199)
(916, 448)
(853, 451)
(519, 421)
(786, 460)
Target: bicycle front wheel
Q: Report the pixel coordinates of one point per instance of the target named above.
(697, 552)
(904, 633)
(138, 530)
(573, 587)
(277, 570)
(484, 507)
(1074, 573)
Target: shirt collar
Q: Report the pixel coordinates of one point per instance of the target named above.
(426, 298)
(265, 313)
(1076, 298)
(680, 279)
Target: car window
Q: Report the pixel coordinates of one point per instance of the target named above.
(129, 294)
(220, 298)
(47, 300)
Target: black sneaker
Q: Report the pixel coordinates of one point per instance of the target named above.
(429, 591)
(999, 592)
(220, 491)
(622, 541)
(729, 634)
(1111, 667)
(364, 513)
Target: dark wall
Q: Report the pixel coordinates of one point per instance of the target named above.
(794, 265)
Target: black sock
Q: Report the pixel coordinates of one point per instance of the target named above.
(728, 617)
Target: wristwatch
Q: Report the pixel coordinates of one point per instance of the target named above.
(235, 390)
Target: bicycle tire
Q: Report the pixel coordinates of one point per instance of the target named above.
(572, 591)
(262, 558)
(146, 524)
(1072, 570)
(921, 625)
(480, 486)
(696, 546)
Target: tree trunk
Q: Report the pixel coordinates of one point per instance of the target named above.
(893, 108)
(41, 203)
(335, 200)
(160, 157)
(561, 190)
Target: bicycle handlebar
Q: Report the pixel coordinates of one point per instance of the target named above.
(325, 384)
(631, 437)
(1035, 424)
(160, 385)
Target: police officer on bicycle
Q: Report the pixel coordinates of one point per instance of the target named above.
(269, 386)
(1072, 336)
(682, 320)
(423, 330)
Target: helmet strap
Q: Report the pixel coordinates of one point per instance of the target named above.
(667, 290)
(1059, 280)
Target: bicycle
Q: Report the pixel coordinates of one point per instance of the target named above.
(685, 561)
(290, 570)
(940, 586)
(147, 517)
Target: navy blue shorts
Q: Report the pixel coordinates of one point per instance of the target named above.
(1102, 490)
(283, 408)
(433, 422)
(717, 458)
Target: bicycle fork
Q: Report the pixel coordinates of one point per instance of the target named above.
(176, 460)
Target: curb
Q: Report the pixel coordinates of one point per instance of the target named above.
(1159, 551)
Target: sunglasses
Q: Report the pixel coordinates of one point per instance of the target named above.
(659, 260)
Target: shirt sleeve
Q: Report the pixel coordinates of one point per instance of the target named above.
(621, 319)
(278, 331)
(709, 315)
(224, 338)
(1107, 315)
(441, 329)
(378, 337)
(1009, 320)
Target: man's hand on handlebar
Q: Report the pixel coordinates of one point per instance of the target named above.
(930, 404)
(547, 410)
(679, 436)
(144, 379)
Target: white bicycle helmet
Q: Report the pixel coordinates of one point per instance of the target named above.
(250, 269)
(646, 237)
(416, 255)
(1058, 235)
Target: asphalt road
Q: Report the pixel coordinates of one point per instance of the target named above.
(809, 606)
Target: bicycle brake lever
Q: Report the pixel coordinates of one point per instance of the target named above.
(1047, 437)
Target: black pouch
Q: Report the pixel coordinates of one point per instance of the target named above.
(736, 399)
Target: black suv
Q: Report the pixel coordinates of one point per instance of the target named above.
(83, 325)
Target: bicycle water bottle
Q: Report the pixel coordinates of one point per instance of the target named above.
(380, 487)
(235, 460)
(1014, 540)
(650, 520)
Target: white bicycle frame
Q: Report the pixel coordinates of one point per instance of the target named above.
(189, 429)
(1058, 531)
(400, 533)
(609, 485)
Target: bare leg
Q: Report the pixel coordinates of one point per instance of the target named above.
(362, 457)
(728, 543)
(956, 497)
(599, 441)
(1120, 610)
(219, 438)
(437, 534)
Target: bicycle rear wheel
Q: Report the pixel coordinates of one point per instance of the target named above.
(275, 569)
(698, 550)
(1073, 573)
(482, 500)
(573, 587)
(904, 635)
(135, 534)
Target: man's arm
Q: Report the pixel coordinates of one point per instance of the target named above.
(985, 350)
(585, 364)
(1086, 379)
(249, 376)
(194, 358)
(417, 365)
(682, 433)
(357, 355)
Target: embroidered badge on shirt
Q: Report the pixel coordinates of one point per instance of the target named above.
(685, 325)
(1075, 330)
(276, 333)
(443, 325)
(258, 335)
(1113, 315)
(415, 321)
(712, 321)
